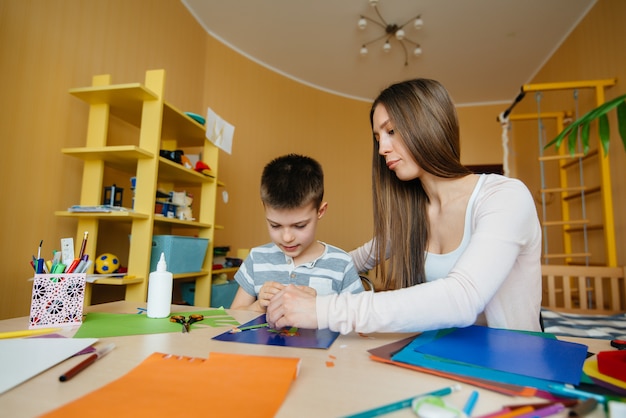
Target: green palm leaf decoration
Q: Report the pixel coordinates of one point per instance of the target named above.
(584, 122)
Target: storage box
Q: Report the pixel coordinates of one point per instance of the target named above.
(222, 295)
(182, 254)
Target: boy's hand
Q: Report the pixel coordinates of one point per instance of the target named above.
(307, 289)
(268, 290)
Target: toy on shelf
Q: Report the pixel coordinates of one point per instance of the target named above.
(107, 263)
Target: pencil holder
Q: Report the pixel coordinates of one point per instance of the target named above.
(57, 300)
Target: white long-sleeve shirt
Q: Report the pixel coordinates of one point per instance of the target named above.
(497, 275)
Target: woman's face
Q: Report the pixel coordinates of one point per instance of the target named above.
(391, 146)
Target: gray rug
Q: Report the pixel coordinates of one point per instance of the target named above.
(588, 326)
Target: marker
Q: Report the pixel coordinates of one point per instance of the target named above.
(405, 403)
(471, 402)
(40, 261)
(86, 363)
(572, 392)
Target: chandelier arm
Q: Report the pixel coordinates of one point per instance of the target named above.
(409, 21)
(373, 21)
(377, 39)
(410, 41)
(406, 56)
(380, 17)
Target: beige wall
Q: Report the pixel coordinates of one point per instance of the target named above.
(47, 47)
(593, 51)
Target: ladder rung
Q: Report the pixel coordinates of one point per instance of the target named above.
(590, 154)
(581, 229)
(567, 255)
(561, 157)
(564, 189)
(570, 222)
(588, 190)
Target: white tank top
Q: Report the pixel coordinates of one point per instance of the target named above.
(439, 265)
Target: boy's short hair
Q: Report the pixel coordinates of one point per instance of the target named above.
(292, 181)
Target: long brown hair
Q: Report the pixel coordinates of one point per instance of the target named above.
(425, 118)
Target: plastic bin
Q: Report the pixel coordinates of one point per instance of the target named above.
(222, 295)
(182, 254)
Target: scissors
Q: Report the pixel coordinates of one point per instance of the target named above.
(186, 322)
(619, 344)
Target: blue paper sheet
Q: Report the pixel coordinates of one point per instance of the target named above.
(305, 338)
(499, 355)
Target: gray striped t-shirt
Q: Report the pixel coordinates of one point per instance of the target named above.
(332, 272)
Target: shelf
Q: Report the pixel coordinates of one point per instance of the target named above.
(178, 222)
(119, 281)
(185, 130)
(122, 215)
(125, 100)
(226, 270)
(179, 174)
(122, 157)
(189, 275)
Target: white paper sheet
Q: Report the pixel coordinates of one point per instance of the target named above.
(219, 132)
(23, 358)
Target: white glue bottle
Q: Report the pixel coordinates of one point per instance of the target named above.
(160, 291)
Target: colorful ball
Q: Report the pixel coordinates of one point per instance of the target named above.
(107, 263)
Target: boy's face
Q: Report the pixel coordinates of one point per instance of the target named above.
(293, 230)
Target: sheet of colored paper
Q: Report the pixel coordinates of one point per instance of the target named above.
(409, 355)
(223, 385)
(23, 358)
(384, 353)
(101, 325)
(302, 338)
(591, 369)
(512, 352)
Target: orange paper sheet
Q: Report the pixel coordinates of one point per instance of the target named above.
(164, 385)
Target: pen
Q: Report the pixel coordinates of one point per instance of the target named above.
(85, 363)
(405, 403)
(471, 402)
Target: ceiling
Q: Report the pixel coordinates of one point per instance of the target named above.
(483, 51)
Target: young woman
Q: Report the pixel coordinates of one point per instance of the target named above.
(458, 248)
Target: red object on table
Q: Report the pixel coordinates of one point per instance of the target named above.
(613, 363)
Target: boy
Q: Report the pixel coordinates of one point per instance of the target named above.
(292, 192)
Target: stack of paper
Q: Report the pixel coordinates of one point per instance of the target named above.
(496, 355)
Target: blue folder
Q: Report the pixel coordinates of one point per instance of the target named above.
(499, 355)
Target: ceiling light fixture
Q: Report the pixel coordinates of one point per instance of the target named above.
(392, 31)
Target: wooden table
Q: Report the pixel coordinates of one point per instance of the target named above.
(355, 383)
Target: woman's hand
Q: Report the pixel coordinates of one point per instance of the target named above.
(267, 292)
(294, 306)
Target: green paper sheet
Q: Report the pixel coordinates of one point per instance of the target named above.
(100, 325)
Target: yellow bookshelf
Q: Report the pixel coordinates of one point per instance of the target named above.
(143, 107)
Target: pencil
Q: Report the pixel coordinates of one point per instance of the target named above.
(27, 332)
(86, 363)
